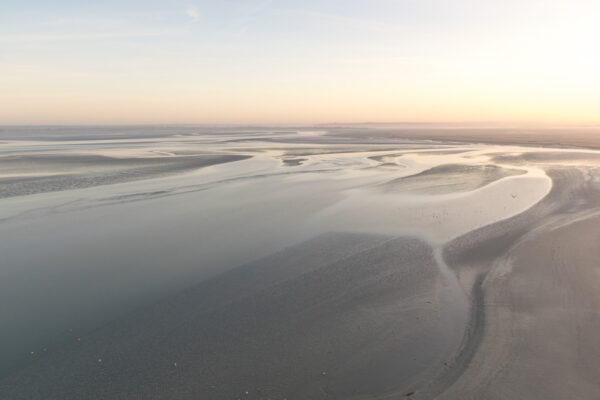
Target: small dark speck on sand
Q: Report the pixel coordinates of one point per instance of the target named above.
(409, 394)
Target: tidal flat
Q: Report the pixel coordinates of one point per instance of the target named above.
(204, 262)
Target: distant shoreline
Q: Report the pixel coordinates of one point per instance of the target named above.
(559, 136)
(585, 138)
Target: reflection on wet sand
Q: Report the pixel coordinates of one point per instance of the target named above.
(275, 264)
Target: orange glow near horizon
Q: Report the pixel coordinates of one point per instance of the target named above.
(520, 62)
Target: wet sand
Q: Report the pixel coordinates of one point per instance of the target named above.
(541, 307)
(31, 174)
(474, 274)
(535, 136)
(340, 316)
(449, 179)
(534, 317)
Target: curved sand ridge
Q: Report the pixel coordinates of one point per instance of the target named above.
(450, 178)
(535, 317)
(443, 214)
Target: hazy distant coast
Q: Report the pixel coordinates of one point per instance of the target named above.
(533, 135)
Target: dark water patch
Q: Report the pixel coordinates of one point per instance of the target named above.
(293, 162)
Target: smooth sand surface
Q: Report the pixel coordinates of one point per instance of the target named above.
(542, 317)
(535, 314)
(449, 179)
(340, 316)
(475, 275)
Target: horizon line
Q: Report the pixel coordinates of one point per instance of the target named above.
(480, 124)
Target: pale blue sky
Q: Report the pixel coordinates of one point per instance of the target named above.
(298, 61)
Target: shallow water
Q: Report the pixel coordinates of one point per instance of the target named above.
(75, 258)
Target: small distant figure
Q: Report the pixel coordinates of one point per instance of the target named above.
(78, 339)
(324, 373)
(175, 364)
(32, 353)
(99, 361)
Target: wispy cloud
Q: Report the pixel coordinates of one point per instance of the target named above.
(353, 22)
(87, 21)
(192, 12)
(51, 37)
(385, 61)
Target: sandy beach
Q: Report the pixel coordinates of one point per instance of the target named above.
(272, 265)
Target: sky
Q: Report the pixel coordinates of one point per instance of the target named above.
(289, 62)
